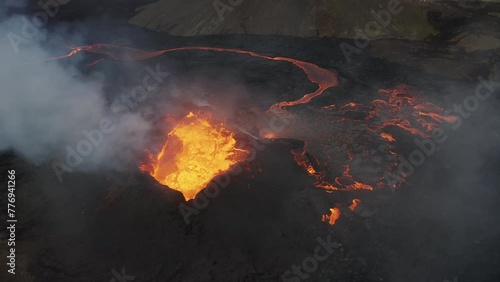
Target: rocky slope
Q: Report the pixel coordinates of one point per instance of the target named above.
(332, 18)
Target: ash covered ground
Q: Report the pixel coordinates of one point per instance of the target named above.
(107, 220)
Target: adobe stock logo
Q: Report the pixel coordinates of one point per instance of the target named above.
(277, 123)
(121, 107)
(39, 20)
(427, 147)
(221, 7)
(121, 277)
(381, 20)
(310, 264)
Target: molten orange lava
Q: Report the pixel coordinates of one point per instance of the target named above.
(323, 78)
(196, 151)
(355, 203)
(339, 157)
(387, 137)
(355, 152)
(332, 218)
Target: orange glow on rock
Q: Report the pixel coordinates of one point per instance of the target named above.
(387, 137)
(332, 218)
(355, 203)
(197, 150)
(323, 78)
(401, 108)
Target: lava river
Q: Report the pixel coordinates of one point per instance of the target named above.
(348, 147)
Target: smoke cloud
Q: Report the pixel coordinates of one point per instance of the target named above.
(51, 109)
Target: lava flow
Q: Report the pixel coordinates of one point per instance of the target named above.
(354, 146)
(194, 165)
(324, 78)
(354, 204)
(350, 147)
(197, 150)
(331, 218)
